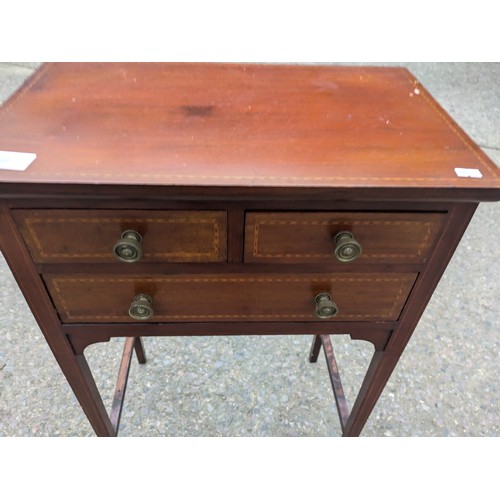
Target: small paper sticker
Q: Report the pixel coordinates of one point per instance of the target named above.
(11, 160)
(469, 172)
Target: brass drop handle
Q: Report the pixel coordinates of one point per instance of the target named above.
(325, 307)
(347, 248)
(128, 248)
(141, 307)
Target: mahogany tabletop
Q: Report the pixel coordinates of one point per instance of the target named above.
(238, 125)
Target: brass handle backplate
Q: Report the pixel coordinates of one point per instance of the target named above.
(141, 307)
(128, 248)
(325, 307)
(347, 248)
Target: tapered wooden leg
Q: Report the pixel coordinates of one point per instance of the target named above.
(121, 383)
(139, 350)
(379, 371)
(384, 360)
(333, 370)
(79, 376)
(315, 348)
(377, 375)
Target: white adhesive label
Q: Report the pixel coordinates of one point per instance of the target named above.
(11, 160)
(469, 172)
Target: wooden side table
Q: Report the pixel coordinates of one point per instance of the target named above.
(210, 199)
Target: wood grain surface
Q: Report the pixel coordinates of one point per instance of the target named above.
(236, 297)
(298, 237)
(63, 236)
(237, 177)
(236, 125)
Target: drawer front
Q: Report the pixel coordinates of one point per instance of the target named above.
(294, 237)
(57, 236)
(231, 298)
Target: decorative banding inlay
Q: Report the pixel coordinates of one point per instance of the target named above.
(413, 84)
(353, 223)
(294, 180)
(34, 235)
(451, 125)
(405, 281)
(219, 280)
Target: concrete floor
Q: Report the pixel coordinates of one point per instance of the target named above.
(446, 383)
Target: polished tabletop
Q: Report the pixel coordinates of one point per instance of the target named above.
(237, 125)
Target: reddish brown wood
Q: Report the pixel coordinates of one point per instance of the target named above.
(378, 338)
(121, 383)
(236, 125)
(89, 235)
(74, 367)
(333, 371)
(297, 237)
(78, 374)
(165, 269)
(236, 234)
(139, 350)
(241, 143)
(83, 335)
(384, 362)
(38, 194)
(238, 297)
(30, 283)
(315, 348)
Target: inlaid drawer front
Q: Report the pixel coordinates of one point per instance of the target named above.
(329, 237)
(236, 297)
(93, 236)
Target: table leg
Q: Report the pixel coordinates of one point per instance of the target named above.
(379, 371)
(79, 376)
(139, 350)
(377, 375)
(385, 359)
(333, 370)
(74, 366)
(315, 348)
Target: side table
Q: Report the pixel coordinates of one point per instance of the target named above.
(209, 199)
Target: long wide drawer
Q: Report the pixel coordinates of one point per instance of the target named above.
(56, 236)
(310, 237)
(235, 297)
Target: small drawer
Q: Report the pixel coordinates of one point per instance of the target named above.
(105, 236)
(230, 298)
(330, 237)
